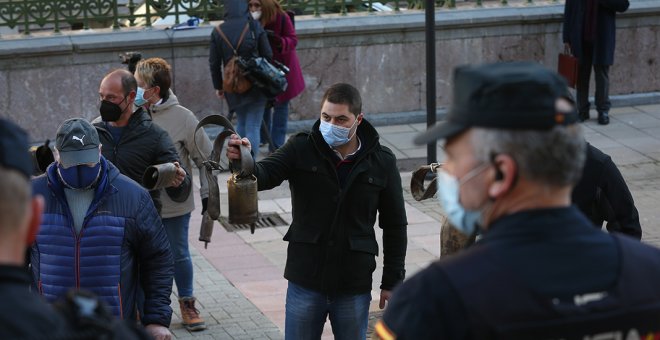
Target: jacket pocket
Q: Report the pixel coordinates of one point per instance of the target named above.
(303, 235)
(304, 254)
(359, 263)
(364, 244)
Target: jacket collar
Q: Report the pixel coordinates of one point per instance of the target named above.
(538, 224)
(170, 101)
(108, 173)
(14, 274)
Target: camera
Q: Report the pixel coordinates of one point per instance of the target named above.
(131, 59)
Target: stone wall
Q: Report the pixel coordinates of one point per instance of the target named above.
(46, 79)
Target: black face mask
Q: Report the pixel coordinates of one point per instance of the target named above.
(110, 112)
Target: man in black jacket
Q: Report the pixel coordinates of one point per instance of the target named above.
(602, 195)
(130, 139)
(340, 178)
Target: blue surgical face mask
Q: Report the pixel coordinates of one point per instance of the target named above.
(336, 135)
(79, 177)
(139, 97)
(449, 188)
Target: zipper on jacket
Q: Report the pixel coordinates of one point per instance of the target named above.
(121, 304)
(40, 288)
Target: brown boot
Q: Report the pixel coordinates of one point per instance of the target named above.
(190, 315)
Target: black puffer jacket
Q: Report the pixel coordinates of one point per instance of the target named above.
(332, 240)
(141, 145)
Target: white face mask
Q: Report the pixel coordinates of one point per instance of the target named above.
(256, 15)
(336, 135)
(449, 188)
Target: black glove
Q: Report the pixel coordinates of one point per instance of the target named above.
(205, 203)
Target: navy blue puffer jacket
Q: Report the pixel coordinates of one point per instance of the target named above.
(122, 235)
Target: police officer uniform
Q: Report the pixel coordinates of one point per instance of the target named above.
(540, 273)
(540, 268)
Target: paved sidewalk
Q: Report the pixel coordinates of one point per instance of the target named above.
(238, 279)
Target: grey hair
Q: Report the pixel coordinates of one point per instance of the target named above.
(552, 157)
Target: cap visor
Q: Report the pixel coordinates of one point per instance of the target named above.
(439, 131)
(72, 158)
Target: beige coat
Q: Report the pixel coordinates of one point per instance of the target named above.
(180, 124)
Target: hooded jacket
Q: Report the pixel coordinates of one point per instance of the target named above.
(332, 241)
(122, 238)
(180, 124)
(254, 44)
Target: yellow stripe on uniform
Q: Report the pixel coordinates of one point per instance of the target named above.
(383, 332)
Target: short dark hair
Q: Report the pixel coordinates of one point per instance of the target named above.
(342, 93)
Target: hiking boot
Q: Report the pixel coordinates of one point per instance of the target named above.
(190, 315)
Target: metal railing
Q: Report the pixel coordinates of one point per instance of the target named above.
(29, 15)
(26, 16)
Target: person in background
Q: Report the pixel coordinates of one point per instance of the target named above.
(100, 232)
(283, 41)
(589, 33)
(602, 195)
(130, 139)
(249, 106)
(154, 79)
(341, 179)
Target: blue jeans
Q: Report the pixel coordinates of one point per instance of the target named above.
(277, 123)
(306, 311)
(248, 124)
(177, 232)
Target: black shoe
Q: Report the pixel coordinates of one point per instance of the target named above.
(603, 118)
(583, 116)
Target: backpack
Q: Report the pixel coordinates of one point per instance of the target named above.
(233, 79)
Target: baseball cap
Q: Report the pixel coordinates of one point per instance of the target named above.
(77, 142)
(14, 148)
(514, 95)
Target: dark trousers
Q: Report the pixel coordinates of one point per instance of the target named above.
(602, 78)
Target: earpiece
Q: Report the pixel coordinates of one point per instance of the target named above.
(498, 174)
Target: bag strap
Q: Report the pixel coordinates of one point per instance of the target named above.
(417, 182)
(240, 40)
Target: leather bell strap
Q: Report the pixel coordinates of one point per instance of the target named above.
(243, 168)
(417, 189)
